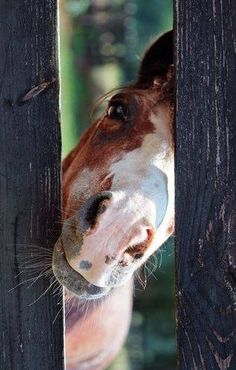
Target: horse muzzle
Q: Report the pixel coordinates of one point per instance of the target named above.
(101, 245)
(71, 279)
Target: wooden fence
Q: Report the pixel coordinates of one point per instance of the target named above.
(29, 183)
(205, 51)
(205, 35)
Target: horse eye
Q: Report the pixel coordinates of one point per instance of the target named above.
(117, 112)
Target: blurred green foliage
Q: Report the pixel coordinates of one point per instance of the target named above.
(101, 45)
(103, 34)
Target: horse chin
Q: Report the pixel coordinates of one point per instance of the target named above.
(72, 280)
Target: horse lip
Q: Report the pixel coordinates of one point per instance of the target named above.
(72, 279)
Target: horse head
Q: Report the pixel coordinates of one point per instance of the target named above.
(118, 183)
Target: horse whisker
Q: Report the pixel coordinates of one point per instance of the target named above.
(43, 294)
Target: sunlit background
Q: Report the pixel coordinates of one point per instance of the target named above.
(102, 42)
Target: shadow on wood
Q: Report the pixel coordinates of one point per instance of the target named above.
(205, 183)
(29, 184)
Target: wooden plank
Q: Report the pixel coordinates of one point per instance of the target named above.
(206, 183)
(29, 183)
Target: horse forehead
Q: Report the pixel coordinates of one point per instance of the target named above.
(156, 141)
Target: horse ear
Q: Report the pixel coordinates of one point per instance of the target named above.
(157, 60)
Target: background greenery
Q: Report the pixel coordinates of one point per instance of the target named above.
(102, 42)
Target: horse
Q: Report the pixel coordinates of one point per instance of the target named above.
(118, 196)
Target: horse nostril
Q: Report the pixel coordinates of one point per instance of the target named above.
(137, 251)
(91, 210)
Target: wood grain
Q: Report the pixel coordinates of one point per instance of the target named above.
(29, 184)
(205, 35)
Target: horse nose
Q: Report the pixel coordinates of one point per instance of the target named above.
(92, 209)
(138, 249)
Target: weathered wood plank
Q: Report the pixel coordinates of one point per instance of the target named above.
(29, 182)
(206, 183)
